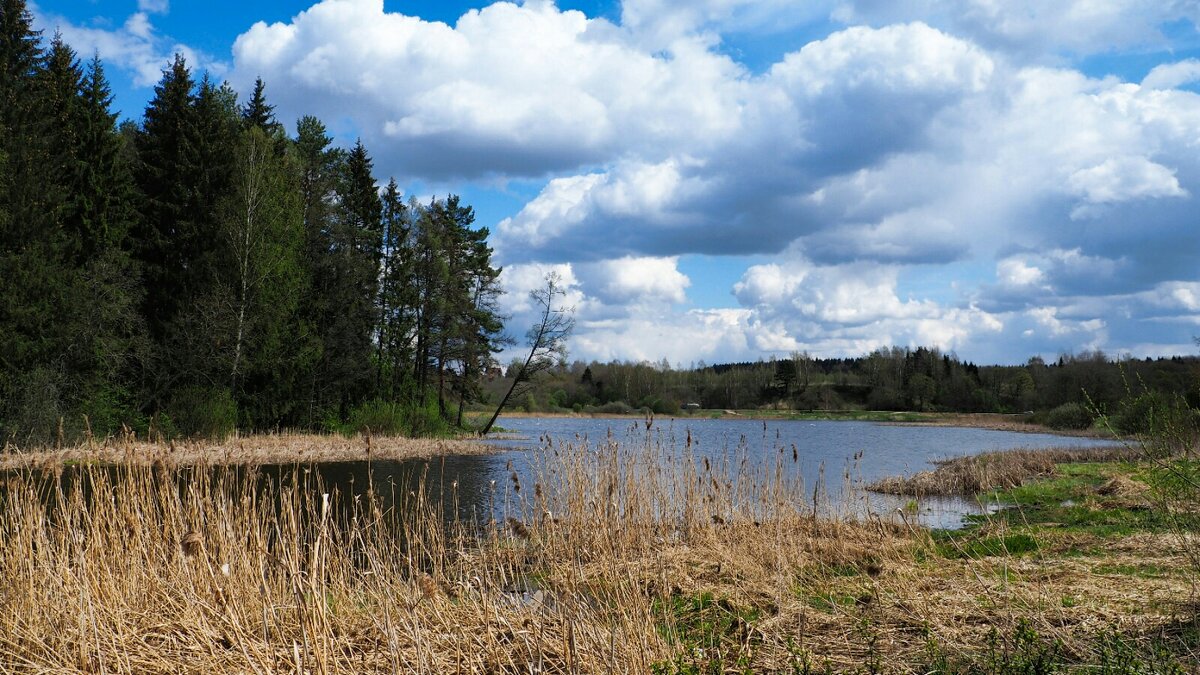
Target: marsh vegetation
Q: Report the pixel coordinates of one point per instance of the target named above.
(612, 557)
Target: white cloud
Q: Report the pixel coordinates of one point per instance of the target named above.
(1122, 178)
(154, 6)
(933, 172)
(1036, 29)
(136, 46)
(518, 90)
(1172, 75)
(900, 58)
(1017, 272)
(637, 280)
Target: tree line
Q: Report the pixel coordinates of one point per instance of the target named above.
(204, 269)
(1068, 392)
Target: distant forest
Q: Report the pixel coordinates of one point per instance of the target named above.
(206, 268)
(1067, 393)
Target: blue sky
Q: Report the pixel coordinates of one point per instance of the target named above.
(736, 179)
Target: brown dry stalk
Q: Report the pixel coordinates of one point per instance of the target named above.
(975, 474)
(144, 569)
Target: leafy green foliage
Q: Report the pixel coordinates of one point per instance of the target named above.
(1068, 416)
(206, 412)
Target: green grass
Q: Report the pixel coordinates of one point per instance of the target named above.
(1145, 571)
(970, 545)
(1070, 503)
(702, 628)
(1023, 650)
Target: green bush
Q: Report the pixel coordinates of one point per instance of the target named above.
(666, 407)
(1153, 412)
(1068, 416)
(614, 408)
(386, 418)
(204, 412)
(529, 403)
(392, 418)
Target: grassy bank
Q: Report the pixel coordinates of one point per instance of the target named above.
(986, 472)
(619, 558)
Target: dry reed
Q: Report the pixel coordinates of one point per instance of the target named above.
(254, 450)
(154, 569)
(975, 474)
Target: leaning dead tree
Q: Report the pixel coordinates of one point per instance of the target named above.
(547, 339)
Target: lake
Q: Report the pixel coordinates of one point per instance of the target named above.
(834, 457)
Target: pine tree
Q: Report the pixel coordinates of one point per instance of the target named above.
(21, 109)
(168, 241)
(356, 245)
(257, 112)
(102, 184)
(319, 164)
(396, 298)
(59, 127)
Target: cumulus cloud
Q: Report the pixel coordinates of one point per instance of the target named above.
(628, 279)
(513, 90)
(1034, 29)
(1118, 179)
(920, 172)
(135, 46)
(1172, 75)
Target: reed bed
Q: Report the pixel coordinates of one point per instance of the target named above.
(622, 557)
(975, 474)
(284, 448)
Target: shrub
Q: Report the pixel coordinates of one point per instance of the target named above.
(614, 408)
(1069, 416)
(386, 418)
(205, 412)
(392, 418)
(1153, 412)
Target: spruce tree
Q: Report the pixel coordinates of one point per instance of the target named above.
(318, 167)
(257, 112)
(168, 173)
(356, 249)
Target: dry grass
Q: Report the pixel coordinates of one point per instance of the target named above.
(160, 569)
(974, 474)
(243, 451)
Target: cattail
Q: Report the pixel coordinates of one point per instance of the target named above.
(516, 483)
(429, 587)
(518, 528)
(191, 544)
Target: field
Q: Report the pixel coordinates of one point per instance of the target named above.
(619, 558)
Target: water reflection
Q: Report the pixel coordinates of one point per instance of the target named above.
(832, 460)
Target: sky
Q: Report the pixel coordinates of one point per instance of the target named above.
(720, 180)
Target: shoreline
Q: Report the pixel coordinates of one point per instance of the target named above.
(255, 450)
(298, 448)
(993, 421)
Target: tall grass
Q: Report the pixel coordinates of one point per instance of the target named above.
(619, 557)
